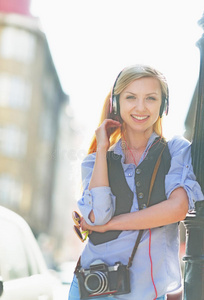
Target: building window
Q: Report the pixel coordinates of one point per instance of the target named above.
(17, 44)
(13, 141)
(11, 191)
(15, 91)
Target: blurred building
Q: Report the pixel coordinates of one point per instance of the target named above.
(68, 188)
(31, 99)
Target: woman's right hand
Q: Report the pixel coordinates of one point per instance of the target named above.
(104, 131)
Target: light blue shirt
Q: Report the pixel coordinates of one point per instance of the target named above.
(164, 240)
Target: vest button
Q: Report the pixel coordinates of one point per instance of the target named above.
(138, 183)
(143, 206)
(138, 171)
(141, 195)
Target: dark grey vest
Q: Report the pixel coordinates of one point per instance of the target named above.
(143, 174)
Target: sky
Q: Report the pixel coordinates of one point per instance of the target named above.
(91, 41)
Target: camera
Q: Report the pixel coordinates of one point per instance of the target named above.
(100, 280)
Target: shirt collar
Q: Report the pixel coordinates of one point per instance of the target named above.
(118, 147)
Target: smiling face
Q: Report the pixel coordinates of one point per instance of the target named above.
(140, 104)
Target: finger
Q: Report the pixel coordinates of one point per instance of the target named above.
(111, 122)
(112, 127)
(84, 225)
(82, 222)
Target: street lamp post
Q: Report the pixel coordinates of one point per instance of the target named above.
(194, 223)
(194, 258)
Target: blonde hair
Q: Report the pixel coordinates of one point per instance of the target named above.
(128, 75)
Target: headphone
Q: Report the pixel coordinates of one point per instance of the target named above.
(115, 105)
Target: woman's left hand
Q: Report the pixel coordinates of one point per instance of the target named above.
(99, 228)
(83, 224)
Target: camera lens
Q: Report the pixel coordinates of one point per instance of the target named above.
(96, 282)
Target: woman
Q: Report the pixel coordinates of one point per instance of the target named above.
(119, 197)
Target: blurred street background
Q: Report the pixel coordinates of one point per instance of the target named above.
(58, 60)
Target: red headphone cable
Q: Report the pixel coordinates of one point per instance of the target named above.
(151, 263)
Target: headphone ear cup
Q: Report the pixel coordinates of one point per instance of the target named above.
(163, 107)
(114, 105)
(115, 109)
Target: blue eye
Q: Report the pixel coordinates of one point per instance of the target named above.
(130, 97)
(151, 98)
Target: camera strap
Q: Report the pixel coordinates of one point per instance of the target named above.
(149, 195)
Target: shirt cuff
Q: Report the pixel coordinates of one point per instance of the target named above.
(101, 201)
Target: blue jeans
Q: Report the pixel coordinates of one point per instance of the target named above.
(74, 293)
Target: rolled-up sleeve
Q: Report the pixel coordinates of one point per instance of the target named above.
(181, 171)
(99, 199)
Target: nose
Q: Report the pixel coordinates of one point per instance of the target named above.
(140, 104)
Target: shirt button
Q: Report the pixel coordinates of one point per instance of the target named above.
(138, 171)
(138, 183)
(141, 195)
(143, 206)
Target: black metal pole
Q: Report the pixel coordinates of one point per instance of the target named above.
(194, 223)
(198, 136)
(194, 258)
